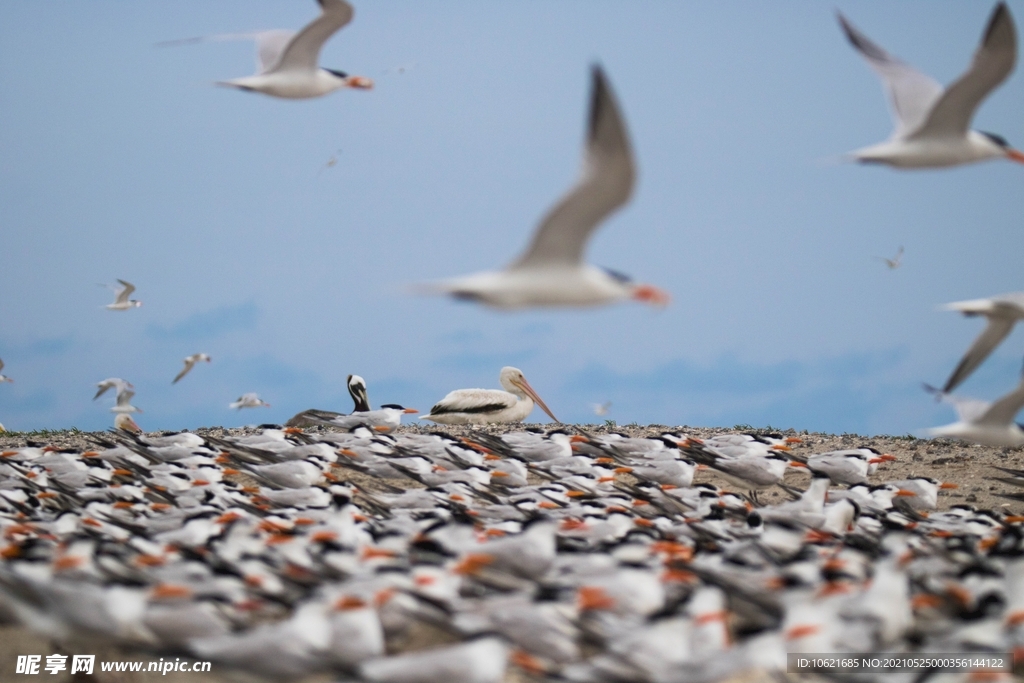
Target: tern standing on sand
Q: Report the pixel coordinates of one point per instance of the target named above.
(552, 271)
(484, 406)
(932, 122)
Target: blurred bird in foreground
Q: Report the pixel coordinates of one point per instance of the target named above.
(552, 271)
(933, 123)
(190, 363)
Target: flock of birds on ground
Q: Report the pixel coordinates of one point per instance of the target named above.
(330, 544)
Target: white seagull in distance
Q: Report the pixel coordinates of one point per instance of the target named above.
(1002, 313)
(250, 400)
(981, 422)
(3, 377)
(601, 409)
(288, 61)
(552, 271)
(894, 262)
(121, 301)
(115, 383)
(190, 363)
(484, 406)
(124, 402)
(932, 122)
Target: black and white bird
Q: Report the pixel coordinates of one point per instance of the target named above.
(121, 300)
(933, 123)
(190, 363)
(485, 406)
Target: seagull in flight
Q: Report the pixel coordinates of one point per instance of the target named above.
(119, 385)
(552, 272)
(250, 400)
(3, 377)
(1002, 313)
(190, 363)
(288, 61)
(121, 301)
(894, 262)
(988, 424)
(933, 123)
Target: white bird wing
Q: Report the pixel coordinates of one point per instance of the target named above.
(994, 333)
(270, 45)
(123, 294)
(1002, 411)
(993, 61)
(189, 364)
(912, 94)
(605, 184)
(474, 401)
(1, 365)
(303, 52)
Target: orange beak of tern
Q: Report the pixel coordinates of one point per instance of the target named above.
(949, 484)
(1015, 155)
(410, 411)
(649, 294)
(525, 386)
(361, 82)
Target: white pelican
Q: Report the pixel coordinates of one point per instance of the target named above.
(988, 424)
(3, 377)
(932, 122)
(124, 422)
(190, 363)
(552, 271)
(250, 400)
(122, 302)
(483, 406)
(1002, 312)
(289, 61)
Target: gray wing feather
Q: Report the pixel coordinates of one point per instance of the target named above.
(994, 333)
(1005, 409)
(992, 63)
(303, 52)
(270, 45)
(911, 93)
(606, 183)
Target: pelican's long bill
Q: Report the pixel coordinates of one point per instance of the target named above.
(525, 386)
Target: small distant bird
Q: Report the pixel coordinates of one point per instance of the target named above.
(894, 262)
(552, 271)
(116, 383)
(601, 409)
(288, 60)
(121, 301)
(250, 400)
(190, 363)
(331, 163)
(124, 422)
(988, 424)
(484, 406)
(932, 122)
(1002, 313)
(3, 377)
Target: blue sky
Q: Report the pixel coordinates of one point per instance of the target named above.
(119, 159)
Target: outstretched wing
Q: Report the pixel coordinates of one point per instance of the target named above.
(122, 296)
(270, 45)
(605, 184)
(993, 334)
(993, 61)
(189, 363)
(1005, 409)
(303, 52)
(911, 93)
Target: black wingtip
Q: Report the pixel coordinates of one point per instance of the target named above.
(598, 93)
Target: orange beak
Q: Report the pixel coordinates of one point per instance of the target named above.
(410, 411)
(525, 386)
(361, 82)
(949, 484)
(1015, 155)
(650, 294)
